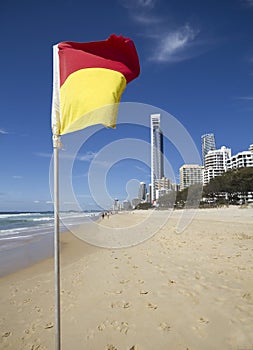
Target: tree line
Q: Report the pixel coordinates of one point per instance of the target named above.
(226, 188)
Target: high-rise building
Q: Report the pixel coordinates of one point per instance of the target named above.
(208, 144)
(142, 191)
(157, 163)
(163, 183)
(116, 204)
(241, 159)
(190, 174)
(135, 202)
(216, 163)
(126, 205)
(162, 187)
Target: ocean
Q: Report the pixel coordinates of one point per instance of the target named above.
(26, 238)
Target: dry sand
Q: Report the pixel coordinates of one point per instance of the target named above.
(192, 290)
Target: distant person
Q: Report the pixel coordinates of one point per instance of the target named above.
(103, 215)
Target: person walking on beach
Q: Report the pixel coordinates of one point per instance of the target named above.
(103, 215)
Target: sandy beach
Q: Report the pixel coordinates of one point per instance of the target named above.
(190, 290)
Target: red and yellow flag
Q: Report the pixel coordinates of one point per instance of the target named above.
(88, 76)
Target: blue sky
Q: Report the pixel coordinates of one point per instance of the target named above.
(196, 63)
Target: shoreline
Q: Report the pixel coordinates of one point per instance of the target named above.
(32, 246)
(45, 252)
(190, 290)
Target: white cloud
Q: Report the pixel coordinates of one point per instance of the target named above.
(176, 46)
(245, 98)
(144, 4)
(3, 132)
(144, 170)
(87, 157)
(43, 154)
(145, 19)
(17, 177)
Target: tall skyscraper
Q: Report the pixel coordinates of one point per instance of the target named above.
(157, 164)
(208, 144)
(142, 191)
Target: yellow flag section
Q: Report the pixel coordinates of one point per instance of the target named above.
(87, 77)
(86, 90)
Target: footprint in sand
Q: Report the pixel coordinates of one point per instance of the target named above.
(171, 282)
(143, 292)
(6, 334)
(121, 304)
(152, 306)
(35, 347)
(28, 300)
(37, 308)
(248, 297)
(49, 325)
(122, 327)
(203, 320)
(124, 281)
(111, 347)
(164, 326)
(113, 292)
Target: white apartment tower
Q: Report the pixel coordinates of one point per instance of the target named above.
(208, 144)
(216, 163)
(241, 159)
(162, 186)
(190, 174)
(157, 164)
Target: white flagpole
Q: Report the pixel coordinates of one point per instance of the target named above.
(56, 145)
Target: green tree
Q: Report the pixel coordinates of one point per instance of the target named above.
(144, 206)
(167, 200)
(232, 182)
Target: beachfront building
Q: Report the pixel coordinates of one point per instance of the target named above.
(216, 163)
(135, 202)
(241, 159)
(116, 205)
(163, 183)
(147, 197)
(157, 162)
(162, 186)
(142, 192)
(208, 144)
(126, 205)
(161, 192)
(190, 174)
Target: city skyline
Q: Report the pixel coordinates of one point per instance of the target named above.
(196, 64)
(216, 161)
